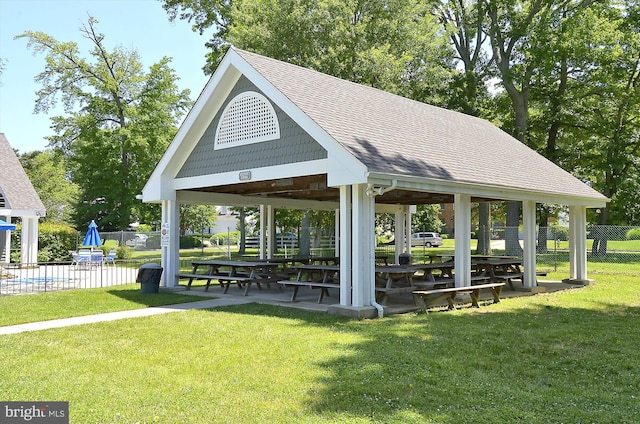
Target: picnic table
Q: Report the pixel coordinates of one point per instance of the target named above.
(500, 270)
(243, 273)
(314, 276)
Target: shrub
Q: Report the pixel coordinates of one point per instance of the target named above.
(55, 241)
(633, 234)
(560, 233)
(222, 239)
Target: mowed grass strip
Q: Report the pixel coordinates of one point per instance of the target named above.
(22, 309)
(561, 357)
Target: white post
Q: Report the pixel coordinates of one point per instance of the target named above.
(271, 231)
(399, 234)
(462, 228)
(529, 248)
(363, 248)
(262, 239)
(29, 236)
(578, 245)
(336, 233)
(407, 229)
(345, 246)
(171, 253)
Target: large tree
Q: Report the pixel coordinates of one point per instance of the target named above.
(118, 121)
(47, 172)
(393, 45)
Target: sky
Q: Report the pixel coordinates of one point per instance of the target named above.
(141, 25)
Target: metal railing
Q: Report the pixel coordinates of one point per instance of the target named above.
(47, 277)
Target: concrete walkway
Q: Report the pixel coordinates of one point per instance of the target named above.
(112, 316)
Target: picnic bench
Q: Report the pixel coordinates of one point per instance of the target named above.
(325, 282)
(324, 287)
(427, 298)
(227, 272)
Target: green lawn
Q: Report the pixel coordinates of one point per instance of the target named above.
(73, 303)
(564, 357)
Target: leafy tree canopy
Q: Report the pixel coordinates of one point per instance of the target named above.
(118, 121)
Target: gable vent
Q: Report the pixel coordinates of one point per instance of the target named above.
(248, 118)
(3, 203)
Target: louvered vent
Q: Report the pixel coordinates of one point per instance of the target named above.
(248, 118)
(3, 203)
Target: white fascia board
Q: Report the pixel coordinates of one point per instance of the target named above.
(22, 213)
(409, 182)
(257, 174)
(344, 168)
(193, 126)
(196, 197)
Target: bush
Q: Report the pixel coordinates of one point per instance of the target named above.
(222, 239)
(189, 242)
(55, 241)
(559, 233)
(633, 234)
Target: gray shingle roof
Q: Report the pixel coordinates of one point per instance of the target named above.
(15, 186)
(396, 135)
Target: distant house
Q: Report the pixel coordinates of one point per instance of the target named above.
(18, 199)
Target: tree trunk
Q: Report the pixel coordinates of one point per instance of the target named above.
(305, 236)
(243, 234)
(511, 239)
(484, 229)
(542, 230)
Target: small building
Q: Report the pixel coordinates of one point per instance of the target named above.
(271, 134)
(18, 199)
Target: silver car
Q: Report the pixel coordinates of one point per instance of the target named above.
(426, 239)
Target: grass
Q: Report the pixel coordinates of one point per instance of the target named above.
(562, 357)
(73, 303)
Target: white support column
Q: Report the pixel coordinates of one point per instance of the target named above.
(407, 229)
(171, 253)
(262, 241)
(364, 248)
(581, 243)
(529, 249)
(336, 233)
(345, 246)
(271, 231)
(462, 228)
(572, 242)
(29, 237)
(399, 234)
(578, 245)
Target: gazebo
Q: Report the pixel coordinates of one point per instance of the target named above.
(18, 199)
(270, 134)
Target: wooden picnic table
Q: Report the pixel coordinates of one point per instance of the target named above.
(243, 273)
(307, 276)
(500, 270)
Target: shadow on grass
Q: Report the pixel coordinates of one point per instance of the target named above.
(538, 364)
(134, 295)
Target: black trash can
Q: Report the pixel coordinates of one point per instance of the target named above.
(149, 276)
(405, 259)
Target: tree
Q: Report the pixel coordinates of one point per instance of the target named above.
(48, 174)
(118, 122)
(393, 45)
(195, 218)
(464, 22)
(427, 218)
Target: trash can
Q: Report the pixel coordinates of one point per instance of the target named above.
(405, 259)
(149, 276)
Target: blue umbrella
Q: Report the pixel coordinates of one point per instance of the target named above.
(6, 226)
(92, 238)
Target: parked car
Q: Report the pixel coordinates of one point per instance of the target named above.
(426, 239)
(139, 240)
